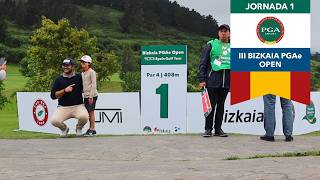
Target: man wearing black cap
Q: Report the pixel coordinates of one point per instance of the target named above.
(67, 88)
(214, 74)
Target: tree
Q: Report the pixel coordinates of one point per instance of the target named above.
(105, 64)
(3, 28)
(3, 98)
(133, 19)
(130, 74)
(52, 43)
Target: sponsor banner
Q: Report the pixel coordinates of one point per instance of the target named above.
(247, 117)
(266, 42)
(116, 113)
(163, 89)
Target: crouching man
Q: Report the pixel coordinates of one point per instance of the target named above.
(67, 88)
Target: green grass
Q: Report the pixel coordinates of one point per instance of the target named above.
(286, 154)
(15, 81)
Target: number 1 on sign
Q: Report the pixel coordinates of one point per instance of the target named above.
(163, 91)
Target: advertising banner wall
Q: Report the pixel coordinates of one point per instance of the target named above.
(119, 113)
(116, 113)
(247, 117)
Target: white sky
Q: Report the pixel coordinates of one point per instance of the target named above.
(220, 10)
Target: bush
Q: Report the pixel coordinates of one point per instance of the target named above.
(3, 99)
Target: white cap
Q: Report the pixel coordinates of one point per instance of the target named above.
(86, 58)
(2, 75)
(2, 61)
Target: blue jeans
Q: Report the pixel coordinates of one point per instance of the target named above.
(270, 116)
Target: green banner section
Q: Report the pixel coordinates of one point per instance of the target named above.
(163, 55)
(270, 6)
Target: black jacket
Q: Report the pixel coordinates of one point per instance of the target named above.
(72, 98)
(215, 79)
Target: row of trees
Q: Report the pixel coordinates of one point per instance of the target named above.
(140, 15)
(28, 13)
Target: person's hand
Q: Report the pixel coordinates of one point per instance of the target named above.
(202, 84)
(69, 88)
(90, 101)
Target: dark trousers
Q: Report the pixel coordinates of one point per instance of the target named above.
(217, 98)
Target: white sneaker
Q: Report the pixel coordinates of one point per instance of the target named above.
(79, 132)
(64, 133)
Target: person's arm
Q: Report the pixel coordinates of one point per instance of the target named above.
(93, 86)
(56, 93)
(204, 65)
(62, 92)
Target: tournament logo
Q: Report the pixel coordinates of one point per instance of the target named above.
(40, 112)
(270, 30)
(310, 114)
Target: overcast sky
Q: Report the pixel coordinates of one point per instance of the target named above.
(220, 10)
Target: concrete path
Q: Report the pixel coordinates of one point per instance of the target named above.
(156, 157)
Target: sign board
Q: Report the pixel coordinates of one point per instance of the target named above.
(270, 49)
(163, 89)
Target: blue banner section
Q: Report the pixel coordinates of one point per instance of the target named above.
(270, 59)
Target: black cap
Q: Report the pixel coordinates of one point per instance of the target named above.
(224, 26)
(68, 61)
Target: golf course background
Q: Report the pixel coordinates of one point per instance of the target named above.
(106, 23)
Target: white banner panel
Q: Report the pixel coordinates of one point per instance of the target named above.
(293, 24)
(117, 113)
(164, 89)
(247, 117)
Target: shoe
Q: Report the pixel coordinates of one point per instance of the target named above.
(220, 133)
(289, 138)
(267, 138)
(64, 133)
(207, 133)
(90, 132)
(79, 132)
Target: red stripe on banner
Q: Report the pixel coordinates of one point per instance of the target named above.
(300, 87)
(239, 87)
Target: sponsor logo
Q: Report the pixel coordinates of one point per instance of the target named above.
(310, 114)
(156, 130)
(147, 129)
(270, 30)
(161, 131)
(40, 112)
(109, 116)
(243, 117)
